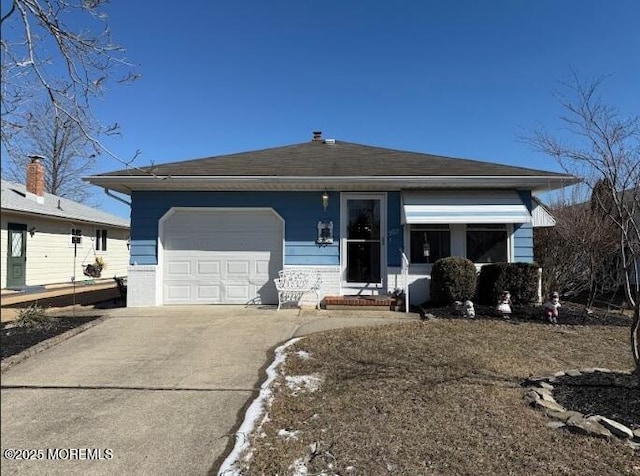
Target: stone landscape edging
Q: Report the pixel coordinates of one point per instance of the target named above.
(539, 394)
(45, 344)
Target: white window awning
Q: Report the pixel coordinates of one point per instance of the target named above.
(475, 206)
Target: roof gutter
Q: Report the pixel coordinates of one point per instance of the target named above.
(31, 214)
(120, 199)
(127, 184)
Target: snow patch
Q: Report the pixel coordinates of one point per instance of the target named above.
(288, 435)
(303, 383)
(254, 412)
(303, 354)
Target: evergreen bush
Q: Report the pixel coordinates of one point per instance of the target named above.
(520, 279)
(453, 279)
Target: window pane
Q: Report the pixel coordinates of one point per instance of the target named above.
(16, 244)
(439, 244)
(364, 219)
(363, 262)
(487, 246)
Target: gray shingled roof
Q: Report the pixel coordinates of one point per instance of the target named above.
(339, 159)
(14, 198)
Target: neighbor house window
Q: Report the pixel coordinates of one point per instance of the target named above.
(438, 239)
(76, 236)
(487, 243)
(101, 240)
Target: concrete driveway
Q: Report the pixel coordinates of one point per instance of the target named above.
(150, 391)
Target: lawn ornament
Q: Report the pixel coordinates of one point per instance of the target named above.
(469, 310)
(550, 308)
(504, 304)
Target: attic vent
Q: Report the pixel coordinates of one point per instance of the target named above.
(329, 141)
(19, 192)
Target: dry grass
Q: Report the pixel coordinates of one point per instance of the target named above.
(441, 397)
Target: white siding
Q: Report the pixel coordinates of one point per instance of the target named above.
(50, 255)
(541, 216)
(419, 282)
(4, 236)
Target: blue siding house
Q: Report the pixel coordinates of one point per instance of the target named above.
(217, 230)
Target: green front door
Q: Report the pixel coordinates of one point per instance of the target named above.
(16, 255)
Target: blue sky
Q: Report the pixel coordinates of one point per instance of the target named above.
(457, 78)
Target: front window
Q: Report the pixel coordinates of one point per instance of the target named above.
(101, 240)
(434, 238)
(487, 243)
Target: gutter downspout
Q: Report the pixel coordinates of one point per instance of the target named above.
(120, 199)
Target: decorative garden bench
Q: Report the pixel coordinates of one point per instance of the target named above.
(293, 283)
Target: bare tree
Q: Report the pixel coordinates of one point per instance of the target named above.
(68, 155)
(48, 56)
(605, 150)
(578, 255)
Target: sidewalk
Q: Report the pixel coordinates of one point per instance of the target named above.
(57, 295)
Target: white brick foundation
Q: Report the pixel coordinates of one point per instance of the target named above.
(142, 286)
(330, 282)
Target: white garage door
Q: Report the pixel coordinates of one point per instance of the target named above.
(221, 256)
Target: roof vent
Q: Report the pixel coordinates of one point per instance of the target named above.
(329, 141)
(317, 136)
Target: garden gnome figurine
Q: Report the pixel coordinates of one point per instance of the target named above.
(504, 304)
(469, 310)
(550, 308)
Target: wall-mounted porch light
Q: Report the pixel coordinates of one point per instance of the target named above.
(325, 200)
(32, 231)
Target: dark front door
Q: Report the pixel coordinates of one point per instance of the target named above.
(16, 255)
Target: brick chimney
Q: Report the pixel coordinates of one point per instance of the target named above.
(35, 179)
(317, 136)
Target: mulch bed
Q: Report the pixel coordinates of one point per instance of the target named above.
(570, 314)
(14, 340)
(615, 396)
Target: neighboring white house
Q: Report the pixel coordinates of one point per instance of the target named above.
(46, 239)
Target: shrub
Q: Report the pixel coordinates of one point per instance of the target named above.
(520, 279)
(33, 317)
(452, 279)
